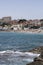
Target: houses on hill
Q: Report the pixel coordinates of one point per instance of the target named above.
(21, 24)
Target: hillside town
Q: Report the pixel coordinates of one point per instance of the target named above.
(21, 25)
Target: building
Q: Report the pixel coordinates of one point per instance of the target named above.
(36, 22)
(1, 20)
(6, 19)
(13, 22)
(41, 21)
(16, 27)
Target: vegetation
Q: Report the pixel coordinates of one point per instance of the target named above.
(22, 20)
(34, 27)
(3, 24)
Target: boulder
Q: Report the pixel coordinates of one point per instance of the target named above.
(38, 60)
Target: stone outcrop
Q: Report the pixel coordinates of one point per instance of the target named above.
(38, 60)
(36, 63)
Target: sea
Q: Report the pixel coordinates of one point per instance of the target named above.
(15, 46)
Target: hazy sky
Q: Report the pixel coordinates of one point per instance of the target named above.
(29, 9)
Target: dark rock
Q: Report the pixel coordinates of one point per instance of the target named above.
(36, 63)
(37, 50)
(41, 54)
(38, 60)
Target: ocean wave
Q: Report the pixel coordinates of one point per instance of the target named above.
(20, 53)
(29, 60)
(25, 56)
(7, 51)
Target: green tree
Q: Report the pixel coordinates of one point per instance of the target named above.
(22, 20)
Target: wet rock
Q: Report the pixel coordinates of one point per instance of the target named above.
(38, 60)
(36, 63)
(37, 50)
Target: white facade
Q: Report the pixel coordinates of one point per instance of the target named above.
(5, 28)
(26, 29)
(17, 27)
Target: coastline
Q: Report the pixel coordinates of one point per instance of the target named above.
(32, 31)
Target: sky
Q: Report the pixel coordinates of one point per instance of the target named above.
(22, 9)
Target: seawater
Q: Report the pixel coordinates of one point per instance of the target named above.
(14, 47)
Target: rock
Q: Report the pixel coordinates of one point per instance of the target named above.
(38, 60)
(37, 50)
(36, 63)
(41, 55)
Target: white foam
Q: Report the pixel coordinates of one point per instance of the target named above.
(27, 53)
(23, 56)
(21, 53)
(28, 60)
(1, 52)
(32, 54)
(9, 51)
(5, 52)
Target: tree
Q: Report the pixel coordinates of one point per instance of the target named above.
(34, 27)
(22, 20)
(41, 19)
(4, 23)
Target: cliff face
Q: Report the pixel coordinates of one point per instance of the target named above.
(38, 60)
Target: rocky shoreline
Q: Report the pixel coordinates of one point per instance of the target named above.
(38, 60)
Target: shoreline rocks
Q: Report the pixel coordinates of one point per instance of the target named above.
(38, 60)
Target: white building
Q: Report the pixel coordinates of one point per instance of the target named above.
(17, 27)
